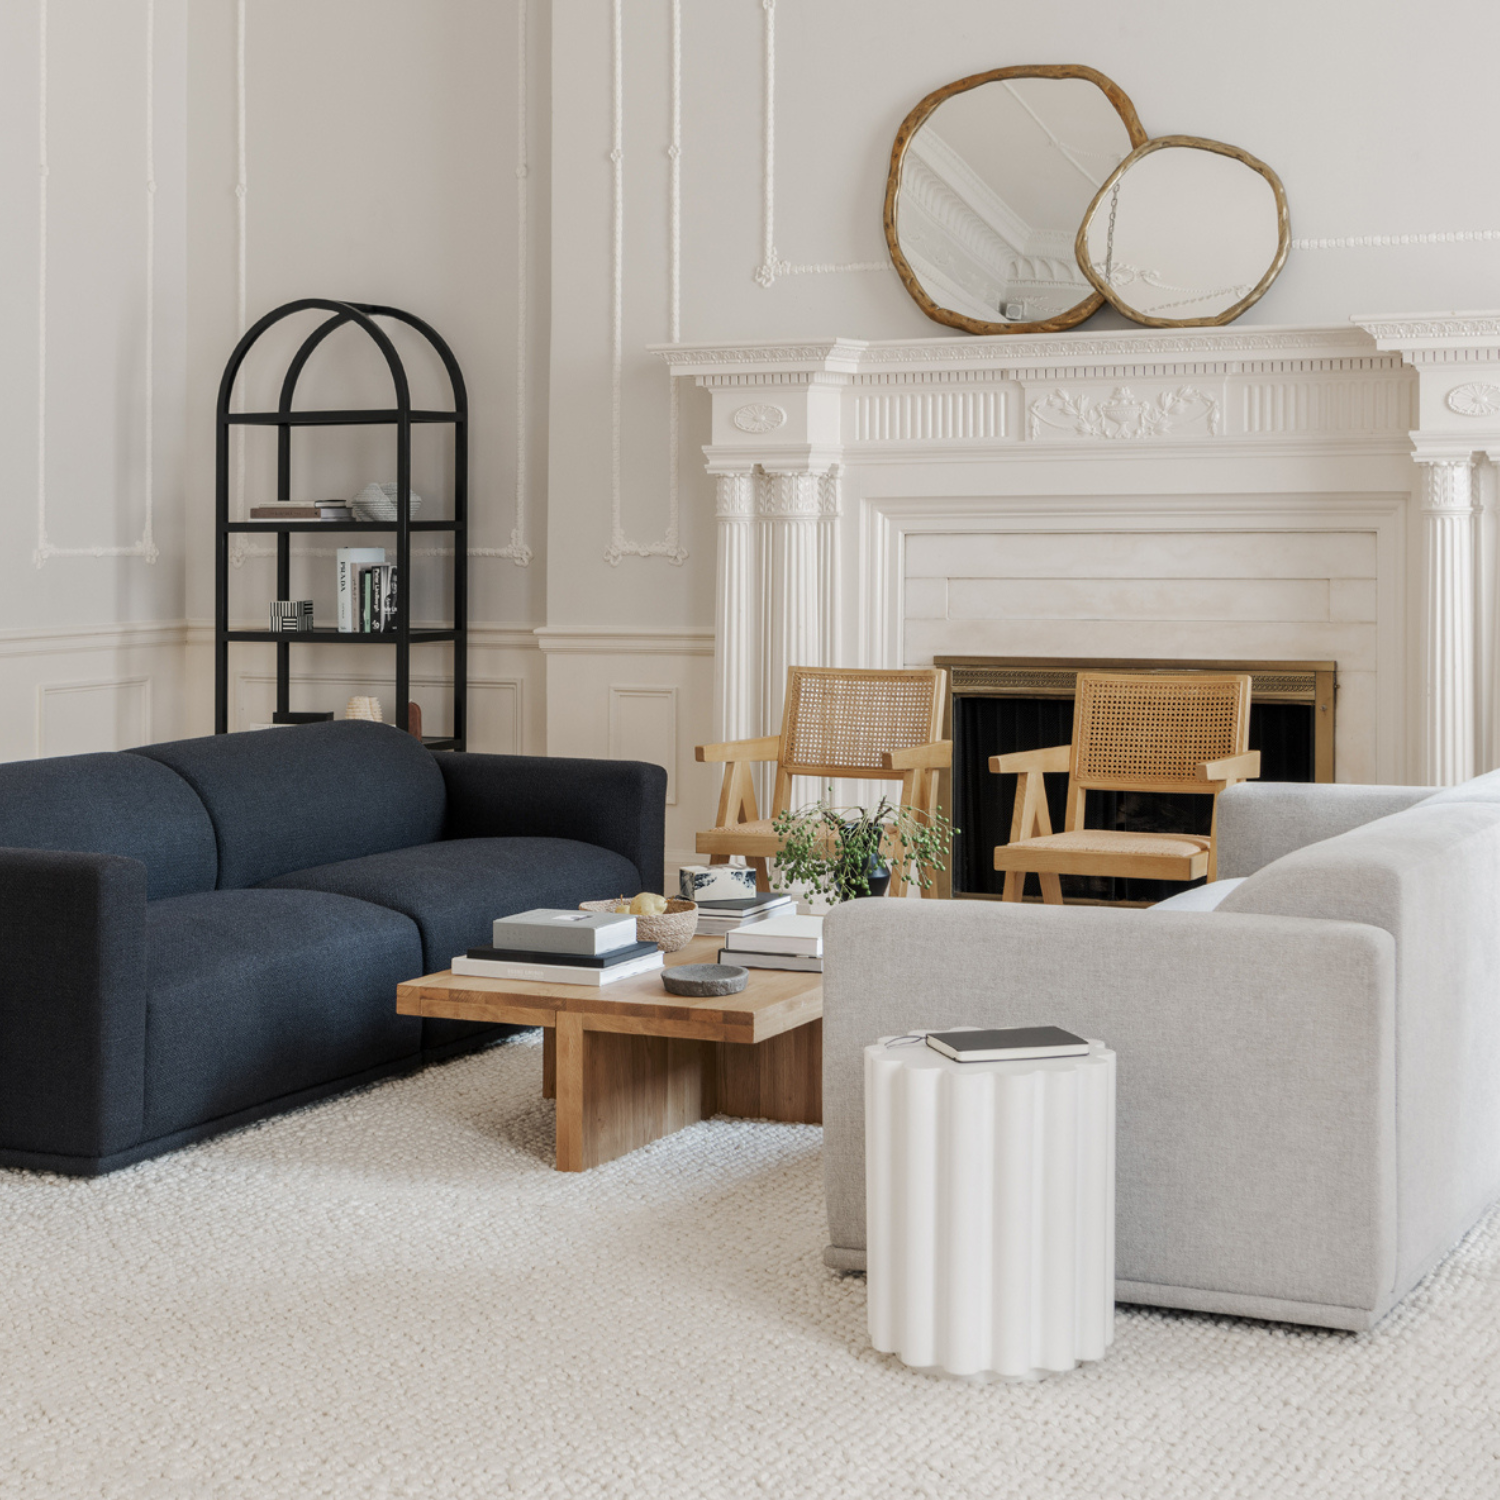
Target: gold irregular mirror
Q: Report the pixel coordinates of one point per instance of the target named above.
(990, 178)
(1185, 233)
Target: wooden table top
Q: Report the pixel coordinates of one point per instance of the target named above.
(774, 1001)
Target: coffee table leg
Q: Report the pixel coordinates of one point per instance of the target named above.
(620, 1090)
(568, 1082)
(780, 1078)
(549, 1062)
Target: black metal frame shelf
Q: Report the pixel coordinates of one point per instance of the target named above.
(403, 417)
(275, 526)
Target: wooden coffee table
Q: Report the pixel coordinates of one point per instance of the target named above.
(628, 1063)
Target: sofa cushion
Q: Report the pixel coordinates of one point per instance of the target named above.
(454, 891)
(1484, 788)
(111, 804)
(287, 799)
(1200, 897)
(252, 995)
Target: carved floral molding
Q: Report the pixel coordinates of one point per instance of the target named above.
(1123, 416)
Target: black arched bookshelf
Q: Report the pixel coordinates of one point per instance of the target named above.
(402, 417)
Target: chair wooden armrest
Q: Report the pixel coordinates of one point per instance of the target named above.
(935, 756)
(1232, 768)
(767, 747)
(1054, 758)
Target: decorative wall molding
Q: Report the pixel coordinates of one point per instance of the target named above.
(46, 641)
(518, 550)
(758, 416)
(145, 548)
(1474, 399)
(1391, 241)
(771, 265)
(624, 640)
(630, 739)
(138, 689)
(621, 545)
(1123, 416)
(378, 685)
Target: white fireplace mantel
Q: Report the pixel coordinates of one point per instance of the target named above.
(882, 502)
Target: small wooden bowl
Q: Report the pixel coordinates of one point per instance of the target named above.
(672, 930)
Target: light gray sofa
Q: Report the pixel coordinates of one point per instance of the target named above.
(1309, 1072)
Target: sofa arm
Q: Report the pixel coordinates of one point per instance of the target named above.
(617, 804)
(72, 1006)
(1255, 1133)
(1259, 823)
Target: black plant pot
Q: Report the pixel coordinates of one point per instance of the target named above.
(879, 878)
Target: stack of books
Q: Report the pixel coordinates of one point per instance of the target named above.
(776, 943)
(552, 946)
(311, 510)
(717, 918)
(366, 591)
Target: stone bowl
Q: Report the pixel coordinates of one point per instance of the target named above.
(703, 981)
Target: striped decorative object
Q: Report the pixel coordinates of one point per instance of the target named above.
(291, 616)
(990, 1211)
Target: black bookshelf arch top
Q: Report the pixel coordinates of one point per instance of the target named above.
(402, 416)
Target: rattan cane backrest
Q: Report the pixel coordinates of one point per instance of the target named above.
(1150, 731)
(838, 721)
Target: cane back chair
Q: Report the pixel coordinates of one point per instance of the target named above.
(872, 725)
(1132, 732)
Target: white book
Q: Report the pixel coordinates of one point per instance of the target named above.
(551, 929)
(747, 960)
(799, 936)
(484, 968)
(349, 560)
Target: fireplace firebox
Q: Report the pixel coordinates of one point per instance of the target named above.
(997, 705)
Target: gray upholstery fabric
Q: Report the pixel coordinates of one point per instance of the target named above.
(254, 995)
(112, 804)
(1256, 1080)
(1428, 877)
(1259, 821)
(1484, 788)
(1199, 897)
(287, 799)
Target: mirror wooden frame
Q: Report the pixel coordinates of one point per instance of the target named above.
(914, 122)
(1283, 232)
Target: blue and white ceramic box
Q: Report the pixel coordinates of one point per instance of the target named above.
(715, 882)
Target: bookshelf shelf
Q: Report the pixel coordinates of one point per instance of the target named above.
(403, 417)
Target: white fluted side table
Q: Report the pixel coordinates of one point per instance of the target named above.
(990, 1210)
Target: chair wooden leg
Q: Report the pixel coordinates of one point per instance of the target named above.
(1015, 884)
(1051, 890)
(757, 862)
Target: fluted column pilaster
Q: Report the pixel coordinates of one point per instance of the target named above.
(789, 510)
(1447, 624)
(737, 627)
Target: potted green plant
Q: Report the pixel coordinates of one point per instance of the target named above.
(839, 853)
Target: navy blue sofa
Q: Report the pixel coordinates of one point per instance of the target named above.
(199, 934)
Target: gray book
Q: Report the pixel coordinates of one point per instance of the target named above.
(549, 930)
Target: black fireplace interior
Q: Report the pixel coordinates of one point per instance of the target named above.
(983, 802)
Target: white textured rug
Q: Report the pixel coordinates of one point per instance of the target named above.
(394, 1294)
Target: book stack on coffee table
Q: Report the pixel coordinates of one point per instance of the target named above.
(554, 946)
(720, 918)
(776, 943)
